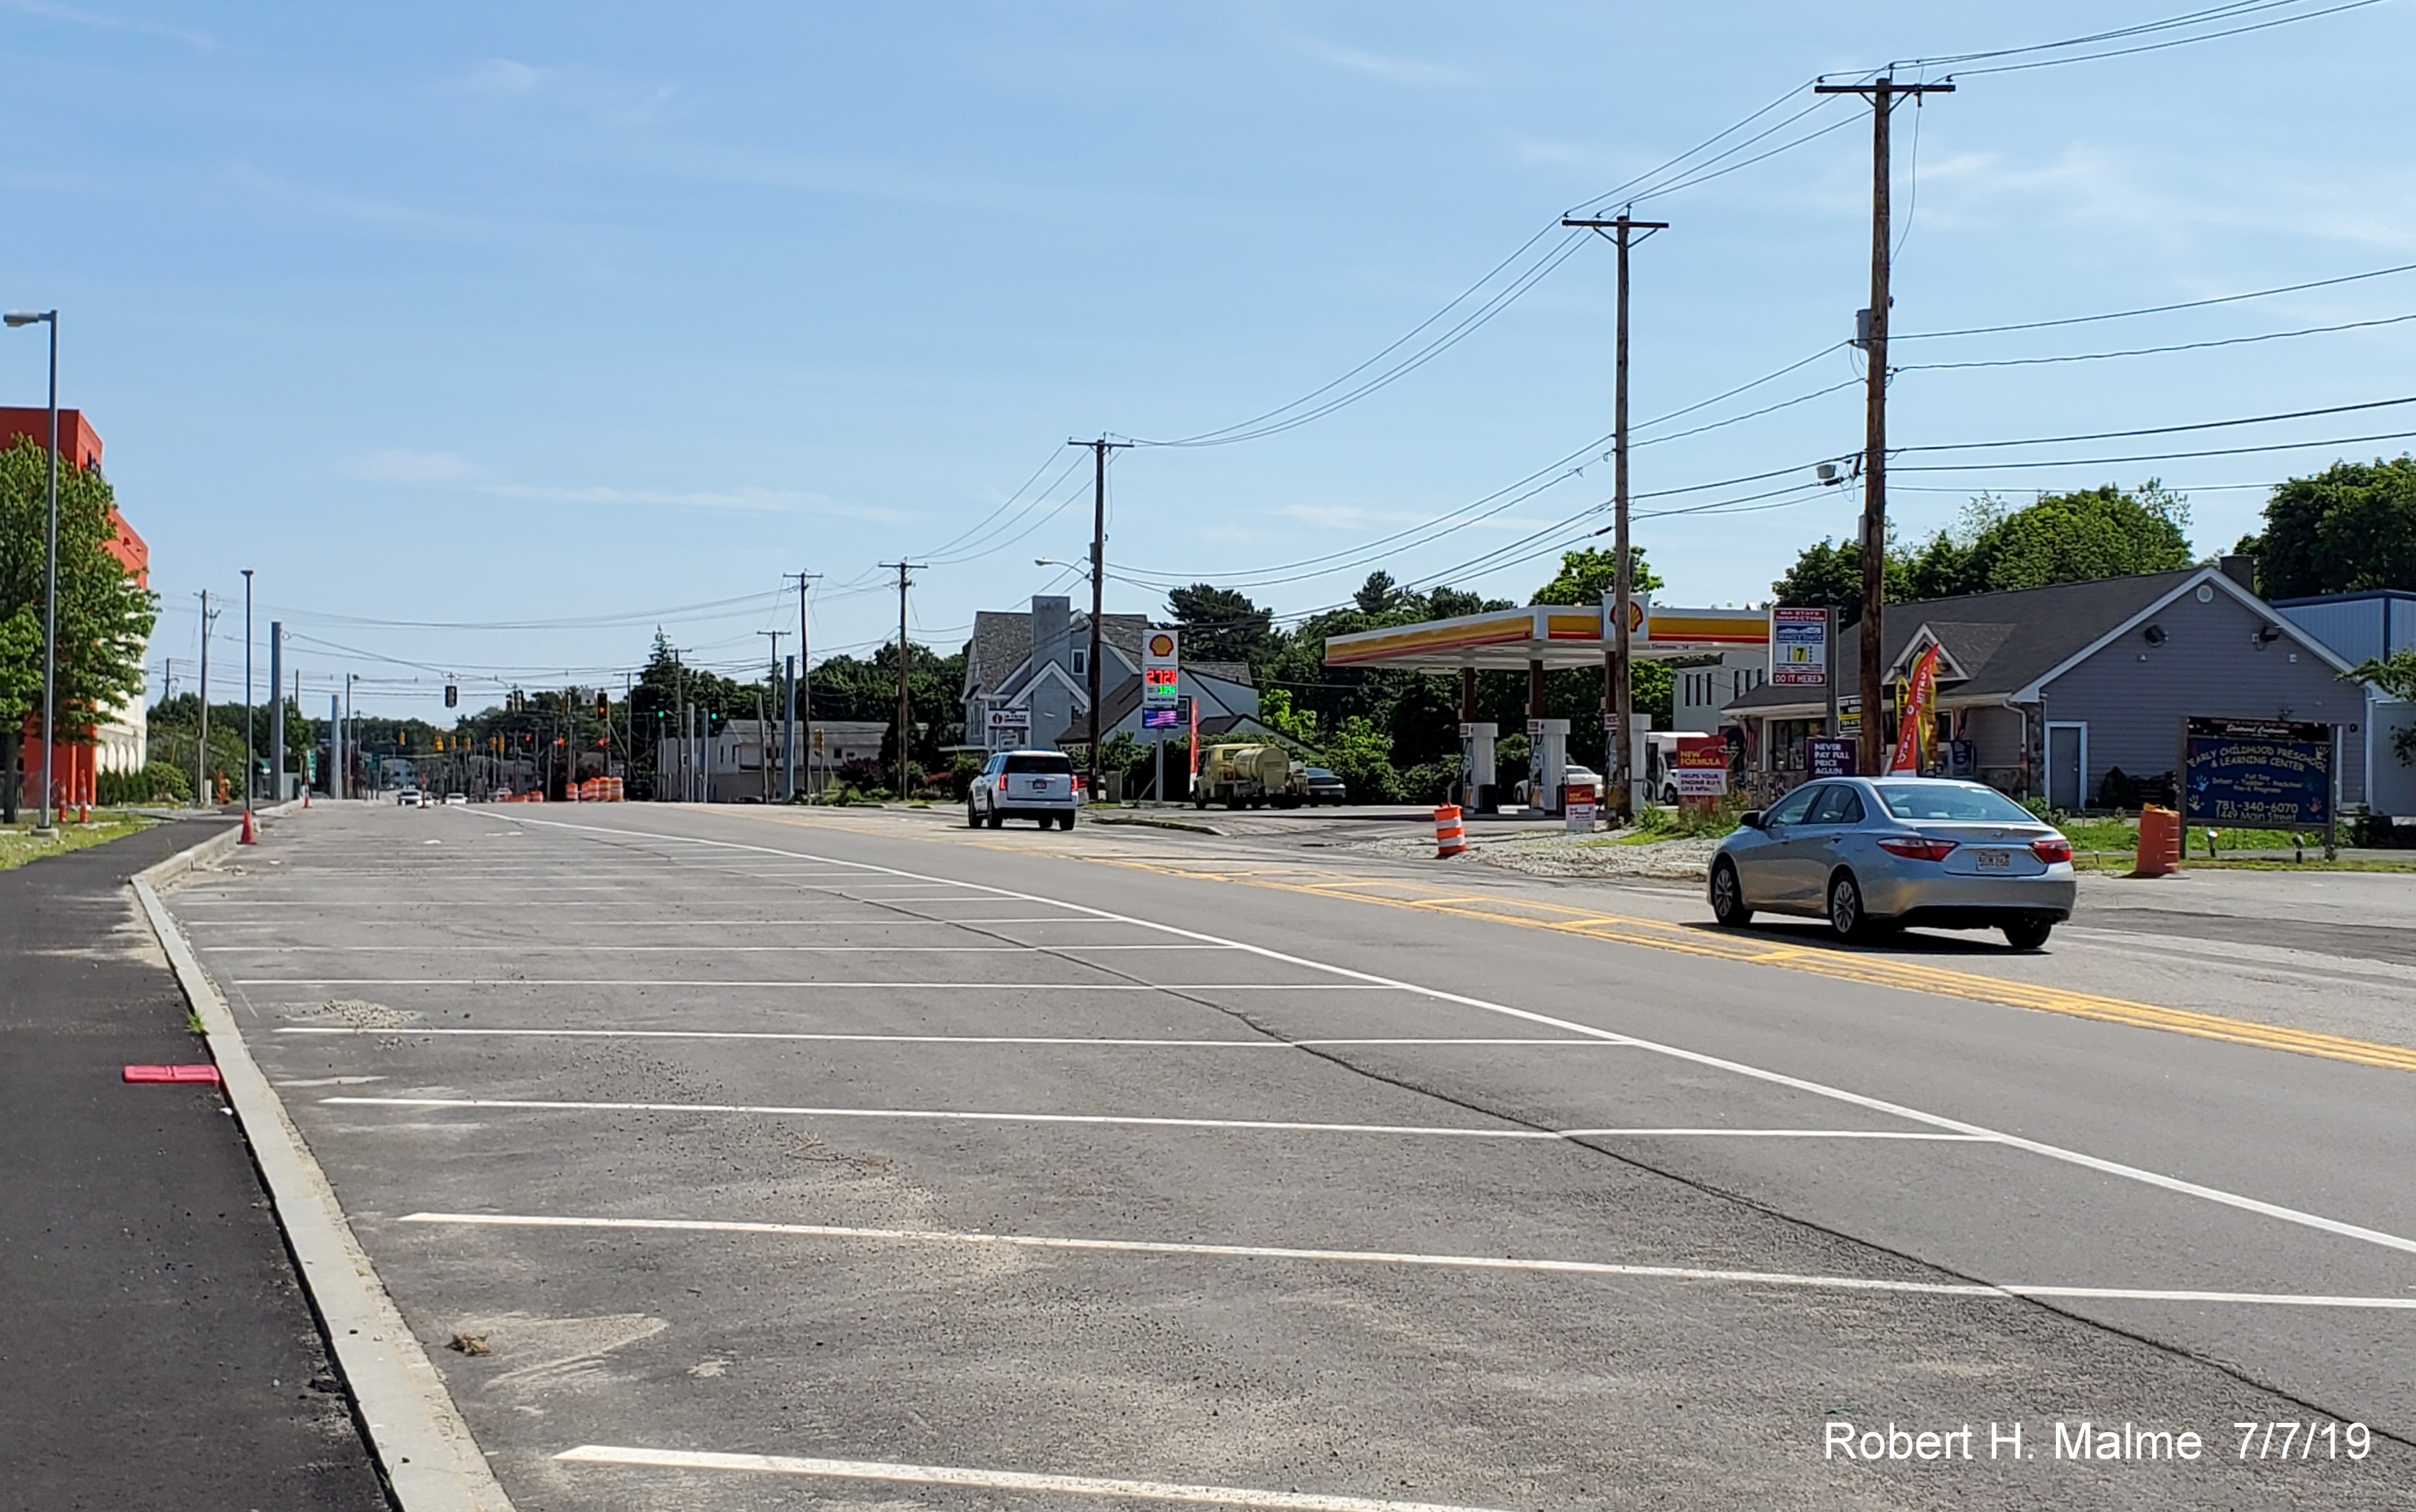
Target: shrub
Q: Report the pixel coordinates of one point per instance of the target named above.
(961, 772)
(1430, 782)
(159, 782)
(1361, 755)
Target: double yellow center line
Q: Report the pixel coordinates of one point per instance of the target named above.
(1844, 965)
(1660, 934)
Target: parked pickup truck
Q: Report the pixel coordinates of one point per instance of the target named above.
(1241, 776)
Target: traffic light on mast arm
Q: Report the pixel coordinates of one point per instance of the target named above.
(603, 704)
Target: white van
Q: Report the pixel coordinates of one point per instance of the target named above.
(1024, 785)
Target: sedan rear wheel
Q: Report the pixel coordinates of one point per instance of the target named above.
(2028, 935)
(1847, 920)
(1728, 896)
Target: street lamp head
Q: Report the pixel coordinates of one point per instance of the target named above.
(29, 317)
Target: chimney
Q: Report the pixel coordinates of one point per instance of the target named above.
(2240, 570)
(1052, 629)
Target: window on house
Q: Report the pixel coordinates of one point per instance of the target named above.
(1081, 663)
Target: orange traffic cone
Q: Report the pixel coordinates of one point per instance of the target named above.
(251, 836)
(83, 813)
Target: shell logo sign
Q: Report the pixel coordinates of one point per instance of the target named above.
(1160, 669)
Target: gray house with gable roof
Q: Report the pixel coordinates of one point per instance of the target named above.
(2054, 687)
(1027, 680)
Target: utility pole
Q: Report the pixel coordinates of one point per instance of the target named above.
(1099, 450)
(1617, 670)
(806, 683)
(763, 726)
(679, 695)
(277, 710)
(1871, 642)
(201, 757)
(251, 721)
(905, 707)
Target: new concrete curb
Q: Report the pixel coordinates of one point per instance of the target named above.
(430, 1461)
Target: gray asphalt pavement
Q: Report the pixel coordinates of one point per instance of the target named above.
(862, 1160)
(157, 1351)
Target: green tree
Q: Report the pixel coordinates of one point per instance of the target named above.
(2105, 531)
(1378, 594)
(104, 616)
(1361, 754)
(1829, 574)
(1587, 574)
(1221, 624)
(2349, 528)
(2395, 675)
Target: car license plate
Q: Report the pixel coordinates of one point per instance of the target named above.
(1992, 860)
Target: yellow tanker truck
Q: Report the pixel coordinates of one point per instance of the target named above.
(1251, 775)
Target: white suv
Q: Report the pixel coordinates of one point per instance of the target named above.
(1024, 785)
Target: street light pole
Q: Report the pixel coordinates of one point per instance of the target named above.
(250, 758)
(50, 569)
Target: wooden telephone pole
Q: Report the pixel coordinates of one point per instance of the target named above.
(1619, 693)
(905, 705)
(1871, 753)
(1099, 450)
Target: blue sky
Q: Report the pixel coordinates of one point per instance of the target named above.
(478, 315)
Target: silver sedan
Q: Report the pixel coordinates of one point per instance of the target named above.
(1870, 854)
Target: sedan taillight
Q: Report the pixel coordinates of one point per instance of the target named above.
(2052, 850)
(1914, 847)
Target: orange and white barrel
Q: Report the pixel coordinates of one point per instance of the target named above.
(1451, 836)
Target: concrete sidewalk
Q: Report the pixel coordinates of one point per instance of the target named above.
(158, 1351)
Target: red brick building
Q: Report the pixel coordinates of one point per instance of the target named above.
(115, 744)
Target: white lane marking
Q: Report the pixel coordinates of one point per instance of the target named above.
(2039, 1147)
(1435, 1261)
(449, 947)
(681, 921)
(1000, 1480)
(1259, 1125)
(920, 1038)
(954, 986)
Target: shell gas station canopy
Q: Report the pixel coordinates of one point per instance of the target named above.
(1556, 635)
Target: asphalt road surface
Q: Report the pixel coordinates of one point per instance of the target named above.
(769, 1159)
(156, 1350)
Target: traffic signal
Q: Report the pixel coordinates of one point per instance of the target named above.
(452, 696)
(603, 705)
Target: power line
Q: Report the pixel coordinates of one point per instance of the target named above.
(2178, 41)
(2195, 18)
(2158, 309)
(2170, 457)
(2151, 352)
(2160, 430)
(1269, 424)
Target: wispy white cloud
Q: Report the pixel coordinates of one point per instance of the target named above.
(69, 14)
(458, 474)
(589, 92)
(335, 204)
(399, 465)
(1384, 65)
